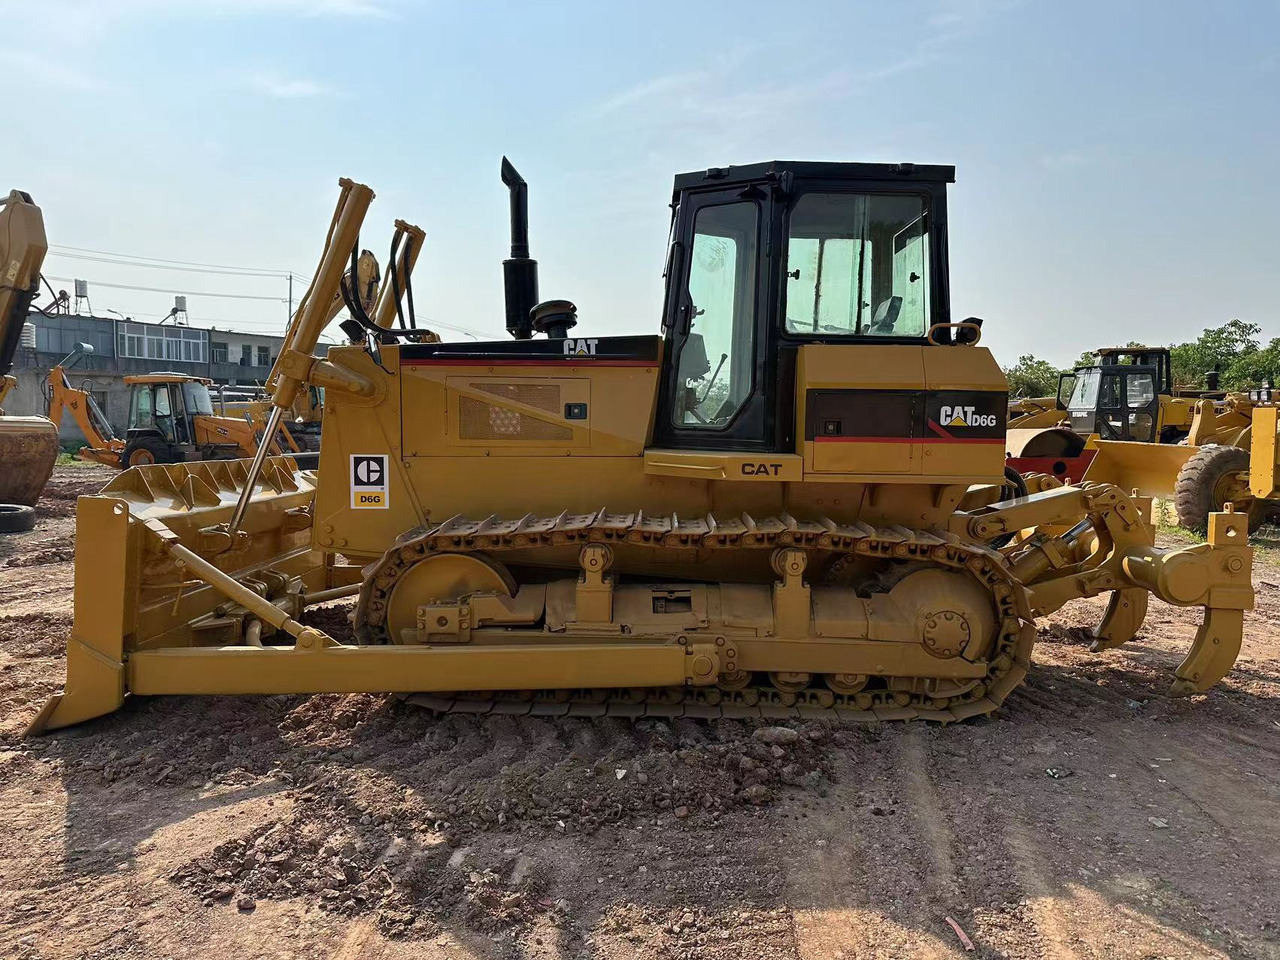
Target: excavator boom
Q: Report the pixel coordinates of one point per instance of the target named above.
(28, 445)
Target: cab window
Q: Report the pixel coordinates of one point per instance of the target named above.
(1141, 389)
(858, 265)
(715, 360)
(140, 411)
(198, 401)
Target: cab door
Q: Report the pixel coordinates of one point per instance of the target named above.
(713, 391)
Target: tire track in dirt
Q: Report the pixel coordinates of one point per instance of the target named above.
(869, 869)
(1052, 927)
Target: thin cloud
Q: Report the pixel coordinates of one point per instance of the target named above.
(1072, 158)
(287, 88)
(47, 72)
(85, 23)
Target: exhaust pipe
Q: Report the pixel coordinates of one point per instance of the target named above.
(519, 273)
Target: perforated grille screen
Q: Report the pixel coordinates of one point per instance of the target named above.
(544, 396)
(478, 420)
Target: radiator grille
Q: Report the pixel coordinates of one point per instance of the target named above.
(478, 420)
(544, 396)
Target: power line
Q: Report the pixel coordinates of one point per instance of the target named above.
(429, 323)
(185, 263)
(160, 266)
(189, 293)
(243, 321)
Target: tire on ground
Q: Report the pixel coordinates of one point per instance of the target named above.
(145, 450)
(1199, 488)
(16, 517)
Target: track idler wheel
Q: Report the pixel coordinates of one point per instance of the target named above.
(845, 683)
(789, 682)
(735, 681)
(442, 577)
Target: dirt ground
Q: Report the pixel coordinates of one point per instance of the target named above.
(1091, 817)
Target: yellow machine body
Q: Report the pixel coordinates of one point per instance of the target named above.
(568, 525)
(494, 433)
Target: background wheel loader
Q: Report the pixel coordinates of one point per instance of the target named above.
(1122, 421)
(28, 445)
(787, 503)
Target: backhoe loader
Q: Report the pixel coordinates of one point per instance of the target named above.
(786, 503)
(28, 445)
(171, 419)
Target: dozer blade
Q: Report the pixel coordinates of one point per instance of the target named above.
(132, 594)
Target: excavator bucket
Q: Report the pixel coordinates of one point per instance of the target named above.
(28, 445)
(138, 606)
(28, 451)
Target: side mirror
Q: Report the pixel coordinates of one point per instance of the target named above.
(969, 335)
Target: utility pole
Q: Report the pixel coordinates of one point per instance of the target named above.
(289, 319)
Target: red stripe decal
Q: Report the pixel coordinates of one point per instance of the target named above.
(539, 362)
(937, 428)
(999, 440)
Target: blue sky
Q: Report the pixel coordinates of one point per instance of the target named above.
(1116, 161)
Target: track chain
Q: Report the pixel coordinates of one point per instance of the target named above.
(843, 542)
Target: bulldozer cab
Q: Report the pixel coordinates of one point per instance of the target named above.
(1120, 397)
(767, 258)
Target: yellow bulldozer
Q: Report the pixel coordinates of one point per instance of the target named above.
(790, 502)
(28, 445)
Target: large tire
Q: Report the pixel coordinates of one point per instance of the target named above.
(1213, 477)
(145, 450)
(16, 517)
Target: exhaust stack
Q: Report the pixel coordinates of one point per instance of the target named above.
(520, 272)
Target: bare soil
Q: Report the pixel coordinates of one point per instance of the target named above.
(1091, 817)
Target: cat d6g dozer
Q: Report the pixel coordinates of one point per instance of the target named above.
(786, 504)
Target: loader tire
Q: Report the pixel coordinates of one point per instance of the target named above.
(16, 517)
(145, 450)
(1213, 477)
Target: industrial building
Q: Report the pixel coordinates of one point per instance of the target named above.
(122, 347)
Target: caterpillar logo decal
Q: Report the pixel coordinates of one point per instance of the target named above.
(369, 481)
(906, 416)
(957, 416)
(761, 469)
(581, 347)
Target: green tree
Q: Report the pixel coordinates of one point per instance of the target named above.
(1232, 349)
(1030, 377)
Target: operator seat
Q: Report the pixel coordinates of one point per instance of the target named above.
(885, 317)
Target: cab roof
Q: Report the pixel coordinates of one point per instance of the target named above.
(1112, 351)
(818, 170)
(164, 377)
